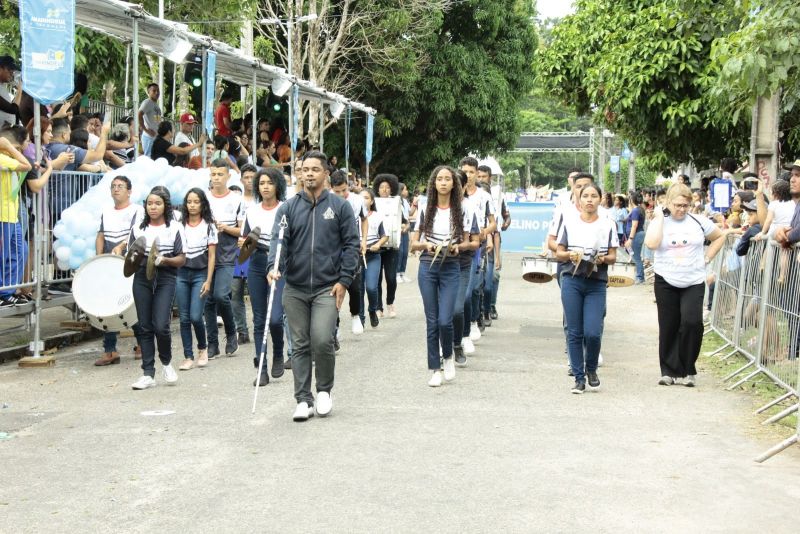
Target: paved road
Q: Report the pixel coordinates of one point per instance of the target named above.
(505, 447)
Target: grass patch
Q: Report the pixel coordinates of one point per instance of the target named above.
(760, 388)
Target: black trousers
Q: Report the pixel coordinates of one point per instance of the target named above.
(153, 300)
(680, 327)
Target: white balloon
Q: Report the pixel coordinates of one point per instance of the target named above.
(63, 265)
(63, 253)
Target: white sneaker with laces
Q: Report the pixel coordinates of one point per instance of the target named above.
(358, 328)
(144, 382)
(600, 360)
(324, 403)
(170, 376)
(302, 412)
(474, 332)
(449, 369)
(466, 344)
(436, 379)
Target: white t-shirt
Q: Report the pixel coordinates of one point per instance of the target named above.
(181, 137)
(482, 205)
(93, 141)
(359, 209)
(680, 258)
(783, 213)
(6, 117)
(262, 218)
(227, 210)
(442, 230)
(592, 239)
(151, 114)
(198, 238)
(115, 224)
(170, 238)
(375, 231)
(569, 210)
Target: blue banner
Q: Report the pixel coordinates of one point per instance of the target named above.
(210, 81)
(47, 28)
(295, 115)
(530, 222)
(370, 127)
(613, 164)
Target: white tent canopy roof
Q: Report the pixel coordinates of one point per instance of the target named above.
(115, 18)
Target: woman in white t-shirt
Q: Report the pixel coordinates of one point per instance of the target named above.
(677, 237)
(376, 238)
(269, 190)
(780, 209)
(587, 245)
(439, 232)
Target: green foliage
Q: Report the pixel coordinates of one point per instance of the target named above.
(645, 175)
(640, 67)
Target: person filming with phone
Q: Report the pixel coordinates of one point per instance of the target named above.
(677, 238)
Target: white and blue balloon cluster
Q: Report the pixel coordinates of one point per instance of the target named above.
(75, 233)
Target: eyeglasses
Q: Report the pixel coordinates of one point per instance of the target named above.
(680, 206)
(118, 186)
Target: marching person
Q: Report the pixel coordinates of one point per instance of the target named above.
(375, 239)
(153, 298)
(677, 238)
(341, 187)
(195, 277)
(319, 258)
(438, 234)
(226, 207)
(587, 245)
(385, 186)
(462, 344)
(269, 190)
(115, 226)
(248, 173)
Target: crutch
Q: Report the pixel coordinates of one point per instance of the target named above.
(282, 227)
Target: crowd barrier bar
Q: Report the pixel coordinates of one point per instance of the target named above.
(756, 311)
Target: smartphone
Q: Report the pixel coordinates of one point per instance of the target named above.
(750, 184)
(666, 212)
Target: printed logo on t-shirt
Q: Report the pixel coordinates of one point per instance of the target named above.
(329, 214)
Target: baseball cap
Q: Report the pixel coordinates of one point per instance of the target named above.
(188, 118)
(8, 63)
(750, 206)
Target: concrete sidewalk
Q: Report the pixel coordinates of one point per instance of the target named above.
(505, 447)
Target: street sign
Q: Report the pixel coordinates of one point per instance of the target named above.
(614, 164)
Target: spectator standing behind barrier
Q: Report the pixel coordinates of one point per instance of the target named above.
(587, 245)
(222, 115)
(149, 117)
(788, 236)
(677, 238)
(163, 147)
(9, 106)
(13, 248)
(187, 123)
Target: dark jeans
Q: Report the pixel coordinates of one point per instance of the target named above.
(584, 301)
(468, 298)
(153, 299)
(458, 311)
(311, 318)
(476, 286)
(438, 285)
(495, 287)
(389, 270)
(371, 278)
(237, 304)
(402, 254)
(355, 295)
(110, 339)
(259, 299)
(190, 308)
(219, 301)
(680, 327)
(488, 282)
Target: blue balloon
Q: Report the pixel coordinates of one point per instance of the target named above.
(78, 246)
(65, 240)
(75, 261)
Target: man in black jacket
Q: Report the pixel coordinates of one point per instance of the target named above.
(318, 260)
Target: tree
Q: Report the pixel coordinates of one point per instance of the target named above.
(640, 66)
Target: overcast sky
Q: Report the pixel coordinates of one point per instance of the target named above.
(554, 8)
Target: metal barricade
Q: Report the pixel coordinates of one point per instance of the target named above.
(63, 190)
(111, 111)
(726, 289)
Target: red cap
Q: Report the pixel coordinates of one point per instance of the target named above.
(188, 118)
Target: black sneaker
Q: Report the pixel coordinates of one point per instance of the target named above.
(373, 319)
(277, 366)
(8, 302)
(569, 370)
(288, 363)
(594, 381)
(231, 345)
(579, 387)
(481, 326)
(243, 338)
(461, 360)
(493, 313)
(487, 320)
(213, 350)
(263, 378)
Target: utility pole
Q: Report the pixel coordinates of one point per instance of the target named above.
(632, 171)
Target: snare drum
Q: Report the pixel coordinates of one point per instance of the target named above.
(621, 274)
(104, 294)
(537, 270)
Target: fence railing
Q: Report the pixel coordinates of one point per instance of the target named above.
(117, 113)
(756, 311)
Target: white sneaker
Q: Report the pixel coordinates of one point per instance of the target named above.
(144, 382)
(600, 360)
(220, 322)
(358, 328)
(474, 332)
(436, 379)
(302, 412)
(170, 376)
(392, 312)
(407, 280)
(324, 403)
(400, 279)
(449, 369)
(466, 344)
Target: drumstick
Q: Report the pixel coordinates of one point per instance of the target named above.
(272, 290)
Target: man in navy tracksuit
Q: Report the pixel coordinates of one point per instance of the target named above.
(318, 260)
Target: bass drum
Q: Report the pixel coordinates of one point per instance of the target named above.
(104, 294)
(537, 270)
(621, 275)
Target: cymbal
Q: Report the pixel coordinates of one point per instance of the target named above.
(249, 245)
(134, 257)
(151, 260)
